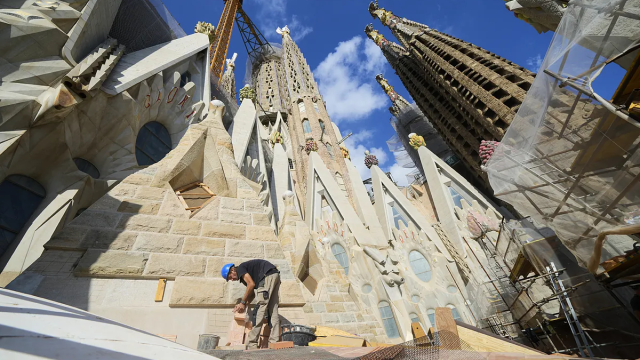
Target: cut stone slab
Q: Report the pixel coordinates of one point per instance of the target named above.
(203, 246)
(189, 291)
(223, 231)
(173, 265)
(159, 243)
(111, 263)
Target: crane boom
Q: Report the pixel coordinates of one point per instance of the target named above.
(220, 45)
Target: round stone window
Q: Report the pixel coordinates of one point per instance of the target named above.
(366, 288)
(452, 289)
(415, 298)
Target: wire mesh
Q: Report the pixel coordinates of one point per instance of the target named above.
(445, 345)
(569, 158)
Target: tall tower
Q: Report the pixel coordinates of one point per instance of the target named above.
(468, 93)
(271, 84)
(308, 119)
(409, 119)
(228, 81)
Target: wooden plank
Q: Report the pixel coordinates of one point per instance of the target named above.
(195, 194)
(447, 329)
(193, 184)
(172, 338)
(206, 188)
(184, 203)
(486, 343)
(417, 330)
(162, 283)
(202, 206)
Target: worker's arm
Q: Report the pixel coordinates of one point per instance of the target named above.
(248, 295)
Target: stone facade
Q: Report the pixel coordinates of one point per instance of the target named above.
(469, 94)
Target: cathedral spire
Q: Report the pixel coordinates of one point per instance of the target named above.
(401, 28)
(391, 50)
(398, 102)
(228, 81)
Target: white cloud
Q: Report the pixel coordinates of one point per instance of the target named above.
(346, 78)
(399, 174)
(272, 14)
(534, 63)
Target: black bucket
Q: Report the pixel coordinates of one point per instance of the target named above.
(300, 335)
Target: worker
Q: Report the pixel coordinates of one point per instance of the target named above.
(635, 302)
(264, 277)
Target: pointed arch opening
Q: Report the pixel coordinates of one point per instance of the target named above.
(21, 196)
(388, 320)
(153, 143)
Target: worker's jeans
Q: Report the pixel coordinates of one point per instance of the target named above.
(270, 306)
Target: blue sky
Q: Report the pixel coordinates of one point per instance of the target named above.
(345, 62)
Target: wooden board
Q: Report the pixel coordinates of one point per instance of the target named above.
(486, 343)
(447, 329)
(339, 341)
(417, 330)
(162, 283)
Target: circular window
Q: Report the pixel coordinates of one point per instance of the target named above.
(452, 289)
(87, 167)
(152, 144)
(420, 266)
(366, 288)
(415, 298)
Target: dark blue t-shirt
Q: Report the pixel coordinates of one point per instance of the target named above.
(256, 268)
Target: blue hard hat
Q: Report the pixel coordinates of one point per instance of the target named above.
(225, 271)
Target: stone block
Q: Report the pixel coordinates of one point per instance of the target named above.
(232, 204)
(186, 227)
(172, 207)
(159, 243)
(138, 179)
(97, 219)
(111, 263)
(172, 265)
(319, 308)
(335, 307)
(290, 293)
(106, 203)
(314, 319)
(307, 308)
(253, 206)
(335, 298)
(151, 193)
(235, 217)
(203, 246)
(145, 223)
(109, 239)
(273, 251)
(223, 231)
(350, 306)
(347, 318)
(245, 249)
(359, 317)
(261, 219)
(69, 238)
(261, 233)
(123, 190)
(188, 291)
(209, 212)
(215, 264)
(330, 319)
(138, 206)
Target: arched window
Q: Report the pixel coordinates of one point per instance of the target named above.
(153, 143)
(306, 126)
(454, 312)
(330, 150)
(301, 107)
(185, 78)
(414, 317)
(420, 266)
(20, 196)
(389, 322)
(87, 167)
(315, 106)
(398, 218)
(431, 314)
(341, 256)
(322, 126)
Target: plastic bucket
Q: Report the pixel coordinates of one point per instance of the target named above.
(208, 342)
(300, 335)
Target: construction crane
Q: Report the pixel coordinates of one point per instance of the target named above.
(253, 39)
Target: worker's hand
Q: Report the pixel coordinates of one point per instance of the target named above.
(239, 308)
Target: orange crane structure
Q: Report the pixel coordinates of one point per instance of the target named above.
(254, 41)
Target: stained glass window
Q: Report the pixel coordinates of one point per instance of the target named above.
(389, 322)
(306, 126)
(398, 217)
(20, 197)
(87, 167)
(431, 314)
(341, 256)
(420, 266)
(152, 144)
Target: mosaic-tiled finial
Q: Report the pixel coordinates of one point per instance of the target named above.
(370, 159)
(416, 141)
(310, 146)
